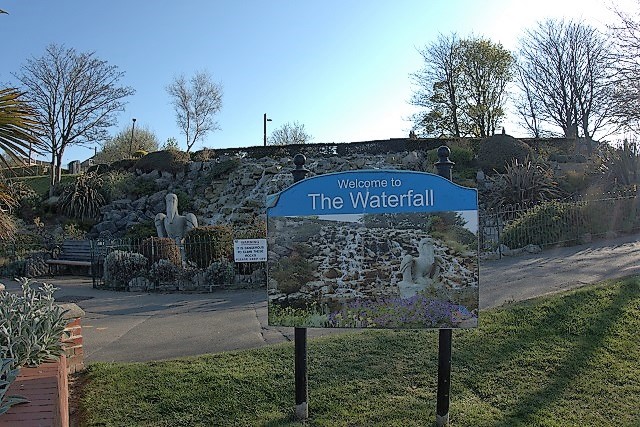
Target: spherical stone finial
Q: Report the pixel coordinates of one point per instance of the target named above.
(443, 153)
(299, 160)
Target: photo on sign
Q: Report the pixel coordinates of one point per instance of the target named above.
(392, 270)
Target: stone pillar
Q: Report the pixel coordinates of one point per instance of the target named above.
(73, 344)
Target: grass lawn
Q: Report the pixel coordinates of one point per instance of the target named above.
(40, 184)
(566, 360)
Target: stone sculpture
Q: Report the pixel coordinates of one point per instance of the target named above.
(418, 273)
(172, 224)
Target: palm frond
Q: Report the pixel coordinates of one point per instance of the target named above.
(18, 128)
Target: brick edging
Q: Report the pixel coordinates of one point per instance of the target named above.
(47, 389)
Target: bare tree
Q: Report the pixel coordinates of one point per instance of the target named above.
(196, 102)
(565, 74)
(75, 97)
(527, 105)
(438, 89)
(626, 34)
(461, 87)
(289, 133)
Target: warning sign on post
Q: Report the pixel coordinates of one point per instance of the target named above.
(250, 250)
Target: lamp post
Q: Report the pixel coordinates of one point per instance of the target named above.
(265, 128)
(131, 142)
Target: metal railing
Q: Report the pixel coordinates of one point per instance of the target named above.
(197, 264)
(558, 222)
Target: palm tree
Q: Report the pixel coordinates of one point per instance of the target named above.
(17, 137)
(17, 126)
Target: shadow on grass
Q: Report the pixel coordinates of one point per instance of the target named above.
(555, 348)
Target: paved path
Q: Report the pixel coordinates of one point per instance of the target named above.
(123, 326)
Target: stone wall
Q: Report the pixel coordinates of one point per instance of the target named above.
(238, 197)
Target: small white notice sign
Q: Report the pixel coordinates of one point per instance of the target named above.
(250, 250)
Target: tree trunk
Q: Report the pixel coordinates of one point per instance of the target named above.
(52, 175)
(59, 166)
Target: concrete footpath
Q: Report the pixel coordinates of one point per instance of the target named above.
(122, 326)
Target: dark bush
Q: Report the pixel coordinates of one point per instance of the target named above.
(223, 168)
(204, 245)
(99, 169)
(556, 222)
(497, 152)
(203, 155)
(125, 165)
(292, 273)
(157, 248)
(141, 231)
(257, 229)
(184, 200)
(172, 161)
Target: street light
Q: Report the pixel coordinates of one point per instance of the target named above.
(131, 142)
(265, 128)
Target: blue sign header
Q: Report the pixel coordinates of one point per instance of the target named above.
(371, 191)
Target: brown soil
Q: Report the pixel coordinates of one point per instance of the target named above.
(76, 385)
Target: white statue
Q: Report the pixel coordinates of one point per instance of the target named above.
(172, 224)
(418, 273)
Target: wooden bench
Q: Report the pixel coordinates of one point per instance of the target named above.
(79, 253)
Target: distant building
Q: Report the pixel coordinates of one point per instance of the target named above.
(75, 167)
(86, 164)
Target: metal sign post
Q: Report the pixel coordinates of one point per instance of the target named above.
(300, 334)
(328, 233)
(444, 167)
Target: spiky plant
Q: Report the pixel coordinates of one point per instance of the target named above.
(83, 199)
(523, 182)
(621, 166)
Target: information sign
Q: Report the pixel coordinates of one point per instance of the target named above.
(373, 248)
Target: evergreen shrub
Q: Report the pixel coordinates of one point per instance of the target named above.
(220, 272)
(554, 222)
(203, 155)
(208, 243)
(164, 271)
(141, 231)
(257, 229)
(172, 161)
(159, 248)
(545, 224)
(223, 168)
(498, 151)
(122, 266)
(125, 165)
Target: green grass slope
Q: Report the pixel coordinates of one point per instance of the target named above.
(564, 360)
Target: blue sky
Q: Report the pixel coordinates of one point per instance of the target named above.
(341, 68)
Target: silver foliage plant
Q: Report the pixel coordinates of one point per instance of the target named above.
(122, 266)
(31, 325)
(31, 332)
(8, 376)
